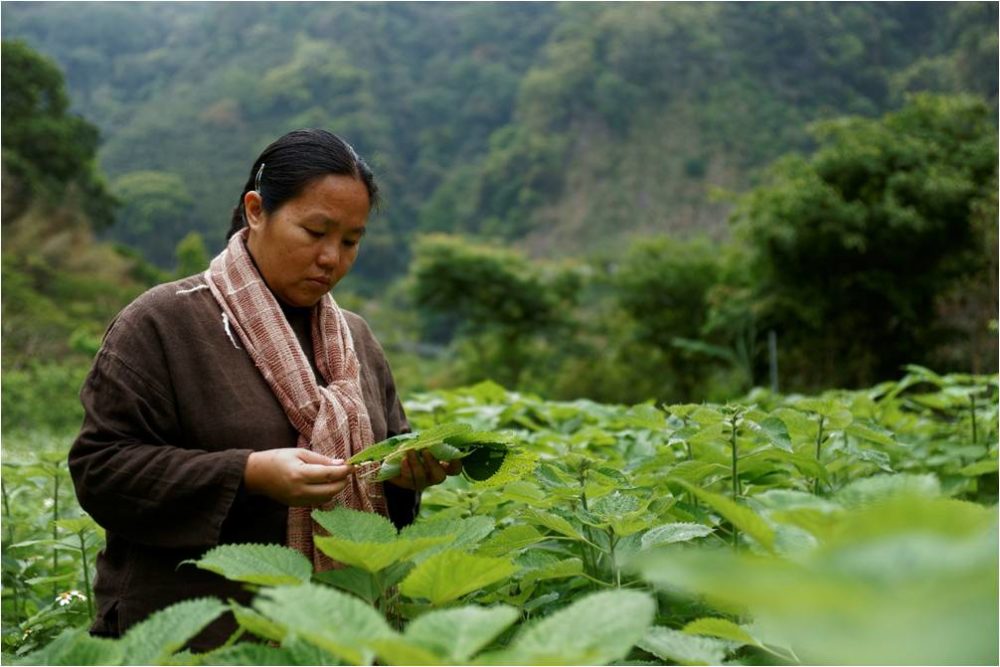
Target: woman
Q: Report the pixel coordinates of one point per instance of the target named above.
(221, 408)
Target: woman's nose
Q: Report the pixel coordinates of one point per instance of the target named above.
(329, 256)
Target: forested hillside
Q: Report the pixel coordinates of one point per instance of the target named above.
(563, 127)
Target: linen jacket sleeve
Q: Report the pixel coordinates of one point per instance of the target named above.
(131, 468)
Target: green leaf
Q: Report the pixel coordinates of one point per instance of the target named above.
(78, 524)
(354, 525)
(776, 433)
(510, 539)
(380, 450)
(374, 556)
(452, 574)
(465, 534)
(483, 462)
(353, 580)
(881, 487)
(257, 624)
(553, 522)
(454, 636)
(155, 639)
(389, 470)
(261, 564)
(674, 532)
(742, 517)
(593, 630)
(721, 629)
(400, 651)
(74, 646)
(983, 467)
(867, 433)
(683, 648)
(52, 579)
(568, 567)
(251, 654)
(336, 622)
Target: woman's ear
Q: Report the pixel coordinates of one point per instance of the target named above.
(253, 208)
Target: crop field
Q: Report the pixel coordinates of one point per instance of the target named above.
(849, 528)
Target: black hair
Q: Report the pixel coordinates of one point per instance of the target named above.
(289, 163)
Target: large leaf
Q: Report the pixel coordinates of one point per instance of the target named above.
(560, 569)
(257, 624)
(374, 556)
(683, 648)
(553, 522)
(336, 622)
(74, 646)
(465, 533)
(262, 564)
(354, 525)
(452, 574)
(674, 532)
(452, 636)
(247, 653)
(903, 582)
(353, 580)
(594, 630)
(740, 516)
(720, 628)
(155, 639)
(880, 487)
(510, 539)
(380, 450)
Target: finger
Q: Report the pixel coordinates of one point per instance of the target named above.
(313, 495)
(435, 473)
(309, 456)
(323, 474)
(418, 476)
(453, 467)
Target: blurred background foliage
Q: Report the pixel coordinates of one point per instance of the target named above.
(616, 201)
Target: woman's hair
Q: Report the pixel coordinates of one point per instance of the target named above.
(285, 167)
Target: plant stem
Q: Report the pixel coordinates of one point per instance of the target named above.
(86, 574)
(591, 550)
(380, 601)
(735, 467)
(736, 473)
(819, 451)
(612, 541)
(233, 638)
(10, 540)
(55, 528)
(972, 409)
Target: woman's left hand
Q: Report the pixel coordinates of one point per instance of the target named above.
(420, 470)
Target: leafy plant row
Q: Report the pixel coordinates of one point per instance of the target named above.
(849, 527)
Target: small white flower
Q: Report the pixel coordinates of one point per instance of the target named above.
(48, 503)
(66, 598)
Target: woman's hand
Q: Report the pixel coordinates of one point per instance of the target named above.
(420, 470)
(295, 476)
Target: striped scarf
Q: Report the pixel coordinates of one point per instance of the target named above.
(331, 420)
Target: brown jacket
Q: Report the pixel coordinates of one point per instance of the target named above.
(173, 410)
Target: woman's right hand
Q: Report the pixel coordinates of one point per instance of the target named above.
(295, 476)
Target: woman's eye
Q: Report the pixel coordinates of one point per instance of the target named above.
(313, 233)
(350, 243)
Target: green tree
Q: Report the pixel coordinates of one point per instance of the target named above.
(47, 151)
(663, 284)
(850, 248)
(192, 256)
(494, 299)
(156, 212)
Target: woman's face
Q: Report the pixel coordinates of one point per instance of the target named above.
(308, 244)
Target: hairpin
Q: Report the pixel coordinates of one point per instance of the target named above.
(260, 174)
